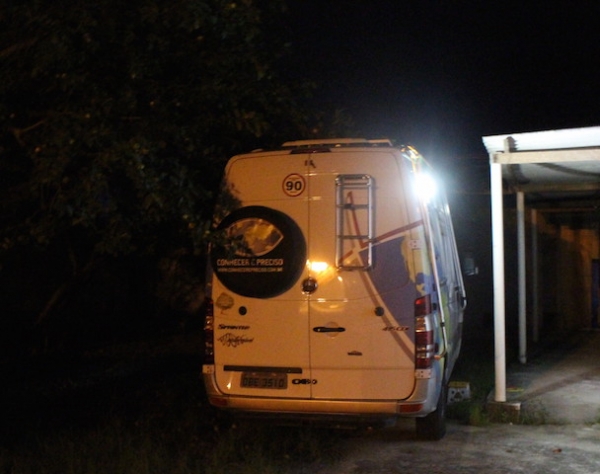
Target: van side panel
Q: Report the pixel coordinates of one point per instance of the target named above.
(451, 285)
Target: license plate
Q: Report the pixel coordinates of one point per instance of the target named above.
(264, 380)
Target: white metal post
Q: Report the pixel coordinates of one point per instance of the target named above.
(522, 277)
(535, 278)
(498, 263)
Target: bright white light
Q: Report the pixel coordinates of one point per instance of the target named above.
(317, 267)
(425, 186)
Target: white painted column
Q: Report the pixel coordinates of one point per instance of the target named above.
(522, 277)
(535, 278)
(498, 280)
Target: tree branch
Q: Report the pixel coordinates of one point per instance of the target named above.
(18, 132)
(17, 47)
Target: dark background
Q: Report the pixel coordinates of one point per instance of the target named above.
(442, 74)
(435, 74)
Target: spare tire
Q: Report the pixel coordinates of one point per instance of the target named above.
(262, 254)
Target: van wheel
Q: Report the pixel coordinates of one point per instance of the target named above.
(433, 426)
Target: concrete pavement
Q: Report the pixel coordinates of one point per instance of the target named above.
(561, 385)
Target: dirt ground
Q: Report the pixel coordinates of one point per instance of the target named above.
(492, 449)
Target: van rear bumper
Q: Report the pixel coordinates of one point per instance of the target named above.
(415, 406)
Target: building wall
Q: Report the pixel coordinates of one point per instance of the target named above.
(566, 252)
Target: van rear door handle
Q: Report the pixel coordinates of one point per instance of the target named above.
(326, 329)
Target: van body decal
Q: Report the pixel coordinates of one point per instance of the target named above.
(232, 327)
(233, 340)
(381, 238)
(263, 242)
(257, 236)
(391, 278)
(396, 328)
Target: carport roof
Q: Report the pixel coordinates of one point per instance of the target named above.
(554, 164)
(554, 161)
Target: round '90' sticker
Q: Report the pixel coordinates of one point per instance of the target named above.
(294, 184)
(263, 253)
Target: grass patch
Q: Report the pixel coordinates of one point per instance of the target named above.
(533, 413)
(106, 449)
(143, 410)
(271, 449)
(470, 412)
(144, 449)
(477, 368)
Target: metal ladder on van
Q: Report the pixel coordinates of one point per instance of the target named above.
(354, 221)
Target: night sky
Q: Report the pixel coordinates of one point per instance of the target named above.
(442, 74)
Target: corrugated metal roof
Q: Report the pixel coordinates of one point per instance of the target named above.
(545, 140)
(554, 161)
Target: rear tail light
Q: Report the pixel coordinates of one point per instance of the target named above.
(209, 333)
(424, 343)
(423, 306)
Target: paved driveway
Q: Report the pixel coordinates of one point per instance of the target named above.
(562, 384)
(497, 448)
(559, 389)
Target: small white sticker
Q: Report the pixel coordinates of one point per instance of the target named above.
(423, 373)
(414, 244)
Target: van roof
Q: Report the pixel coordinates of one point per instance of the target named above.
(327, 144)
(338, 143)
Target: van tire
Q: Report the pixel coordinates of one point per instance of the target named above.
(432, 427)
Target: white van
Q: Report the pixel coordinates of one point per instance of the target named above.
(335, 291)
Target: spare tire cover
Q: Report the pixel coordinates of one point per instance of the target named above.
(263, 255)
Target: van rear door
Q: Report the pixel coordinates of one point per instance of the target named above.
(261, 315)
(362, 311)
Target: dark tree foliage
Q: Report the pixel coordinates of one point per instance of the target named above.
(116, 118)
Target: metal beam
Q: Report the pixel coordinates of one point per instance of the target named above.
(546, 156)
(578, 188)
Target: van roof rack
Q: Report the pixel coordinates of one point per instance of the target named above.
(338, 143)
